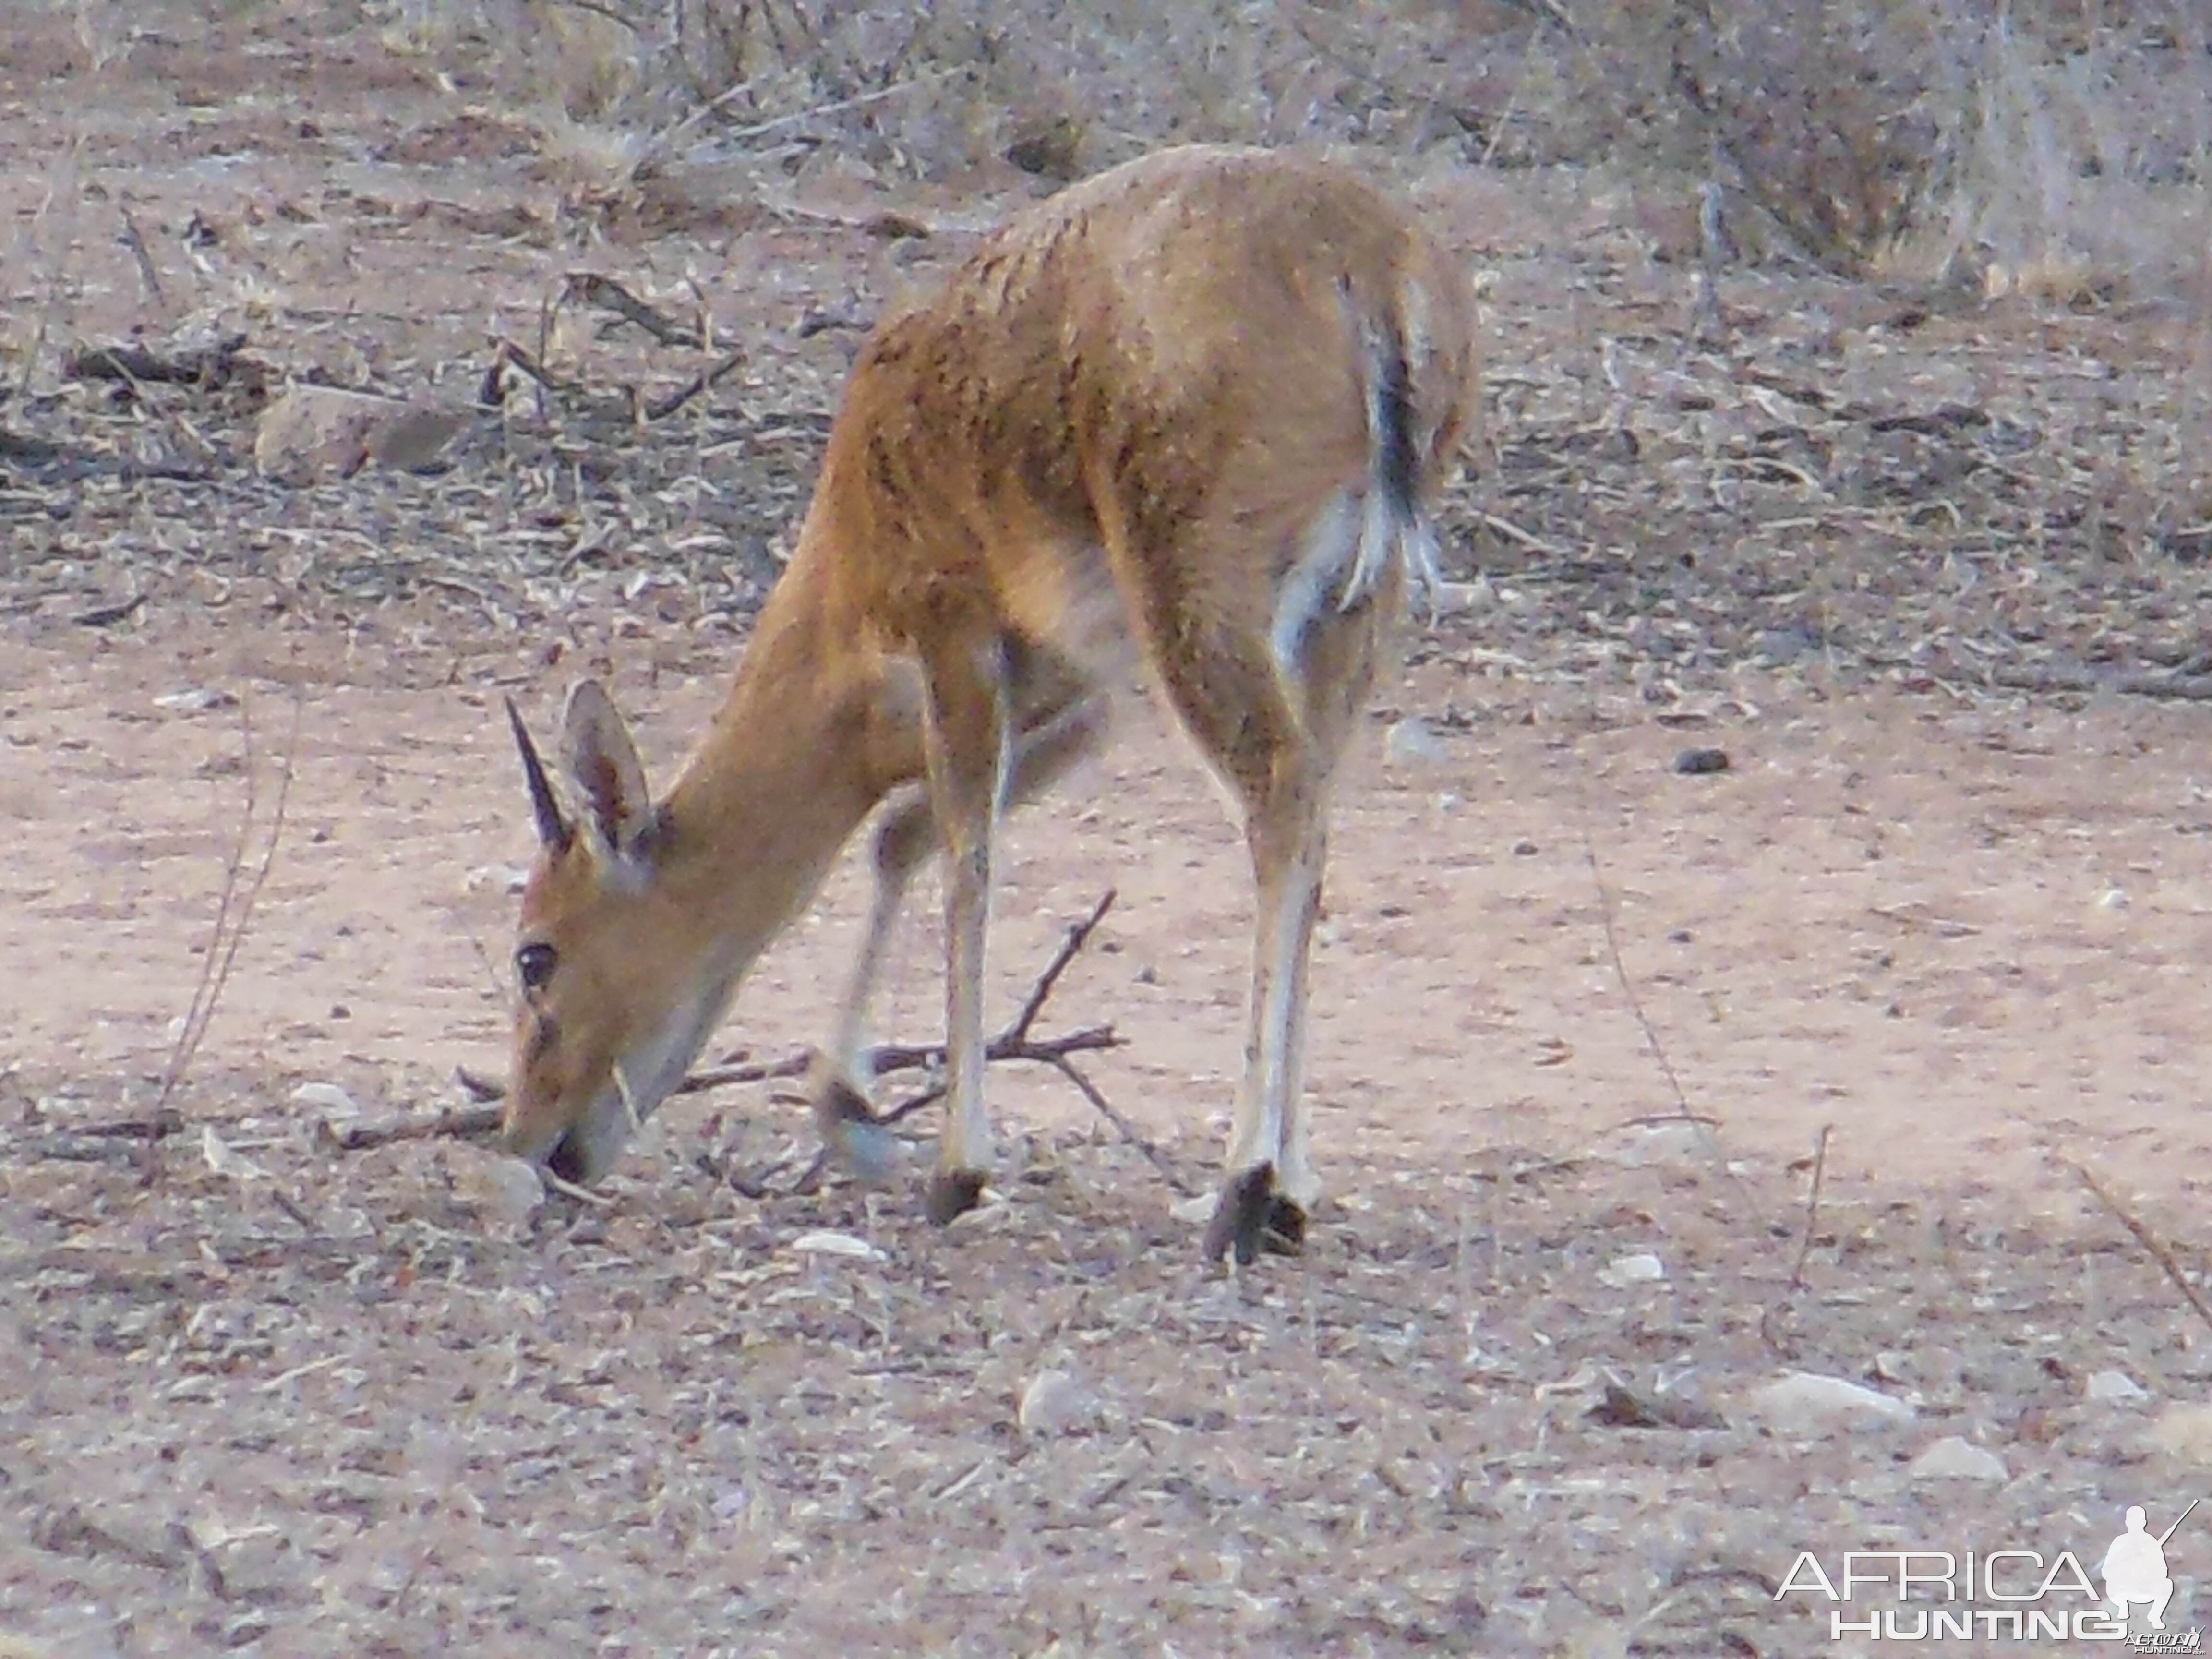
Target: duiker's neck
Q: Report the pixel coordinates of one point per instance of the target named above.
(781, 781)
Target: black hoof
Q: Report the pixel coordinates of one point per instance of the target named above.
(953, 1193)
(1253, 1217)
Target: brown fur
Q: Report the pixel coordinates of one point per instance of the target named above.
(1118, 434)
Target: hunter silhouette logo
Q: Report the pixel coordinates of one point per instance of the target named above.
(2009, 1594)
(2133, 1568)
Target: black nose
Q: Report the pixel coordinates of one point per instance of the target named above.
(567, 1160)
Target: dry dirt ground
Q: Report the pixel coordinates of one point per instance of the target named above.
(262, 1395)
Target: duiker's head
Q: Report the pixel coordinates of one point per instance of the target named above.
(615, 997)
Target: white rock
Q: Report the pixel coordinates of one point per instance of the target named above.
(1411, 744)
(197, 701)
(1197, 1211)
(1642, 1268)
(499, 1188)
(1449, 598)
(1954, 1458)
(1055, 1403)
(223, 1161)
(496, 878)
(326, 430)
(2112, 898)
(1804, 1402)
(825, 1242)
(326, 1097)
(2114, 1386)
(1670, 1141)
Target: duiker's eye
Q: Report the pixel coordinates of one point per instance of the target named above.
(534, 965)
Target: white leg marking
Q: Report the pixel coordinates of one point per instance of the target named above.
(966, 1146)
(1270, 1125)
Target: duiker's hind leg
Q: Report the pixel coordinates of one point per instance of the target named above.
(1270, 1184)
(1230, 696)
(1273, 713)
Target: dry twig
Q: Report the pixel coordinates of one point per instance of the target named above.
(661, 408)
(1812, 1207)
(2153, 1244)
(233, 911)
(592, 288)
(1016, 1044)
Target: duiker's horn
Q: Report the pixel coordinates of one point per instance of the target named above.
(553, 830)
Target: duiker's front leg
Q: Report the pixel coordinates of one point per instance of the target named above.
(967, 738)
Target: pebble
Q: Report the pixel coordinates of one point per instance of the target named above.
(1054, 1403)
(326, 1097)
(1955, 1458)
(1411, 744)
(1807, 1403)
(2114, 1386)
(825, 1242)
(498, 1188)
(1642, 1268)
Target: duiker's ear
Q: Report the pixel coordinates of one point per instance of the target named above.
(609, 777)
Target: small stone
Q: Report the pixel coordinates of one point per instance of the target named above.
(2112, 898)
(223, 1161)
(497, 878)
(825, 1242)
(1054, 1403)
(1955, 1458)
(1525, 849)
(500, 1188)
(1787, 645)
(197, 701)
(326, 1097)
(329, 431)
(1642, 1268)
(2116, 1386)
(1804, 1402)
(1671, 1140)
(1411, 744)
(1451, 598)
(1696, 762)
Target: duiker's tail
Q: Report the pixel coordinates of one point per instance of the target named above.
(1394, 524)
